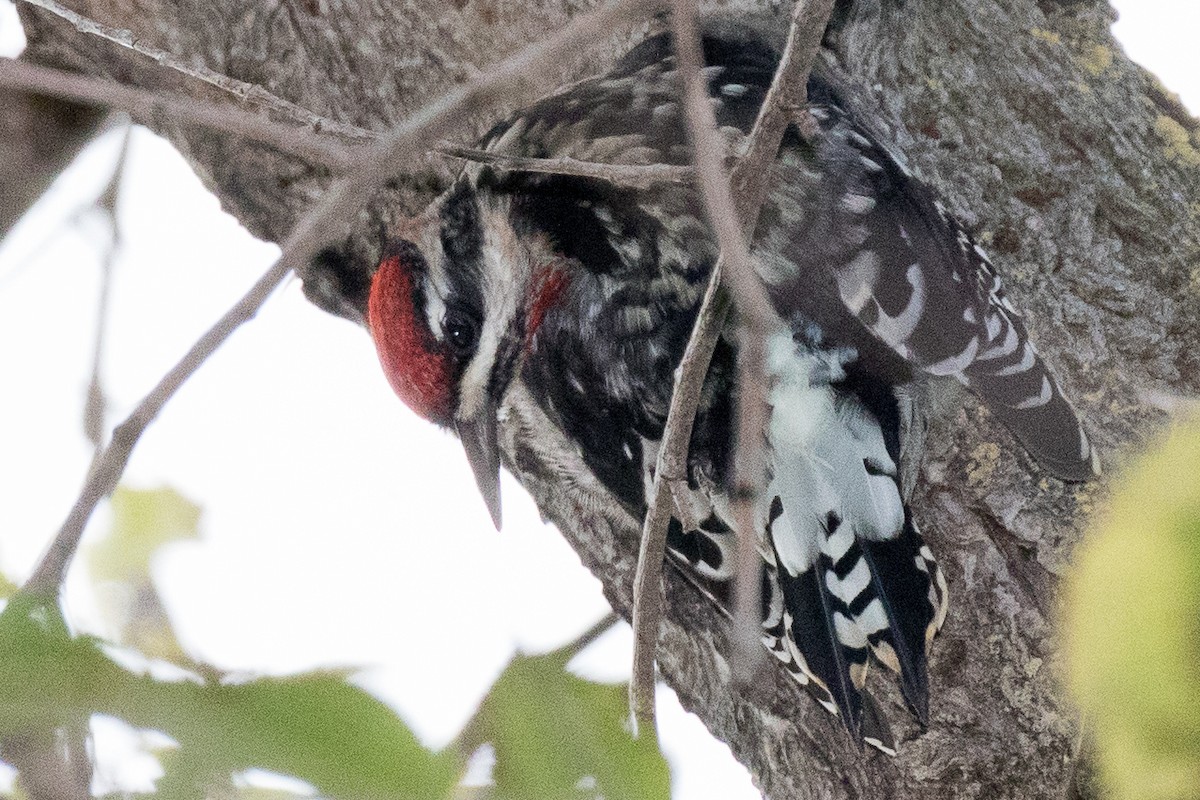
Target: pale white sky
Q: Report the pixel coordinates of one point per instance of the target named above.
(338, 528)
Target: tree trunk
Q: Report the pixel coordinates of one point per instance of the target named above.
(1079, 172)
(38, 138)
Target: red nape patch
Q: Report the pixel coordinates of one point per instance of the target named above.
(415, 365)
(548, 285)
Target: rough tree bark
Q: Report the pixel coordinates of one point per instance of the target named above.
(38, 138)
(1079, 172)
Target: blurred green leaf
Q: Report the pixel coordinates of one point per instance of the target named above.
(143, 521)
(256, 793)
(314, 727)
(1132, 630)
(7, 587)
(551, 730)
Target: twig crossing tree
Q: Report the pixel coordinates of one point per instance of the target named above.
(1074, 166)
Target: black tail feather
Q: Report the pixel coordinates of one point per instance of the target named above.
(1019, 388)
(809, 617)
(904, 592)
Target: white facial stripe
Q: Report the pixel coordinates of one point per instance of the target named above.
(425, 232)
(506, 277)
(435, 300)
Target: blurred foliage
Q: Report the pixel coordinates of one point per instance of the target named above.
(7, 587)
(142, 522)
(1132, 626)
(254, 793)
(555, 735)
(559, 736)
(315, 726)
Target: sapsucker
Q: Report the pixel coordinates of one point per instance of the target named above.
(586, 291)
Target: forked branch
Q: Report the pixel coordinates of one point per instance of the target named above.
(513, 78)
(633, 176)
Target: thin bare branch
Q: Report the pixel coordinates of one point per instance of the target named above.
(31, 255)
(750, 461)
(149, 107)
(786, 100)
(634, 176)
(787, 94)
(512, 79)
(249, 92)
(753, 307)
(95, 406)
(584, 640)
(670, 469)
(52, 765)
(107, 468)
(750, 298)
(470, 738)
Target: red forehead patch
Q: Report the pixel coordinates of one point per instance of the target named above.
(415, 364)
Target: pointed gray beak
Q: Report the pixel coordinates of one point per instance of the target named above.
(478, 437)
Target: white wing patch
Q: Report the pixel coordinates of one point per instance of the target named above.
(832, 458)
(856, 281)
(896, 330)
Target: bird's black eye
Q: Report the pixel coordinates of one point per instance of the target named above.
(462, 331)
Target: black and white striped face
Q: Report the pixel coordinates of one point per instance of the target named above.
(449, 311)
(476, 289)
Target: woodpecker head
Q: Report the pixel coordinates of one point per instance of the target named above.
(452, 308)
